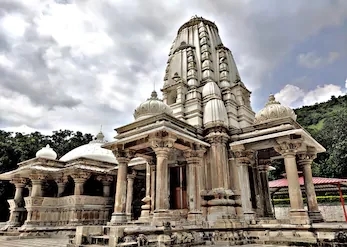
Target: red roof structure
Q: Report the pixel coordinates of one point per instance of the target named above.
(283, 182)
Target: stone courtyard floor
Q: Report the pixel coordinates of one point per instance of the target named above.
(34, 242)
(61, 242)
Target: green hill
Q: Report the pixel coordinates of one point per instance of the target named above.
(327, 124)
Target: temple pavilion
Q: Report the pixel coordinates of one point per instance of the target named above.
(198, 156)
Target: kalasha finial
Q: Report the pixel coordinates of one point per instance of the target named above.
(272, 100)
(154, 95)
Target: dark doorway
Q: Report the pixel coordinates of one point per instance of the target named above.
(178, 188)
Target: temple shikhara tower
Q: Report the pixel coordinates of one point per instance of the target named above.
(192, 167)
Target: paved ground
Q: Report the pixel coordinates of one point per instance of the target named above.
(36, 242)
(55, 242)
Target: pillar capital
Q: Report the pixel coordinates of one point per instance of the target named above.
(194, 156)
(106, 180)
(80, 176)
(263, 165)
(37, 178)
(287, 146)
(131, 175)
(18, 182)
(306, 157)
(60, 179)
(243, 156)
(123, 155)
(162, 142)
(217, 137)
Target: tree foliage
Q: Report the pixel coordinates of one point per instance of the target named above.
(326, 122)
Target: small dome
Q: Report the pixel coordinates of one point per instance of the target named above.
(151, 107)
(92, 150)
(211, 90)
(273, 110)
(47, 153)
(215, 114)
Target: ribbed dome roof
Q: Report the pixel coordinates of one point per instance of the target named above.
(274, 110)
(215, 114)
(211, 89)
(151, 107)
(92, 150)
(47, 153)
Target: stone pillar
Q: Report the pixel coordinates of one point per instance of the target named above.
(162, 142)
(305, 160)
(153, 182)
(61, 181)
(36, 181)
(235, 183)
(219, 159)
(130, 190)
(263, 166)
(79, 179)
(119, 214)
(106, 183)
(288, 148)
(244, 159)
(146, 207)
(17, 207)
(194, 162)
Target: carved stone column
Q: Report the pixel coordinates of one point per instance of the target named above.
(106, 183)
(194, 162)
(17, 208)
(219, 159)
(123, 157)
(288, 148)
(146, 207)
(244, 159)
(162, 143)
(235, 183)
(130, 190)
(61, 181)
(153, 184)
(79, 178)
(305, 160)
(36, 181)
(263, 166)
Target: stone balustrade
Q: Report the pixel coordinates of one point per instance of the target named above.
(69, 210)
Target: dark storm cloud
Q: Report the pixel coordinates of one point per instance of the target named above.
(259, 34)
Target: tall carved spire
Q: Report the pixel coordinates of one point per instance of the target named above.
(197, 57)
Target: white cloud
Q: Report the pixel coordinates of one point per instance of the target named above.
(294, 96)
(322, 94)
(14, 25)
(312, 60)
(289, 95)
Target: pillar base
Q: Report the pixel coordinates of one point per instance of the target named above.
(249, 217)
(195, 216)
(118, 218)
(315, 216)
(299, 217)
(161, 215)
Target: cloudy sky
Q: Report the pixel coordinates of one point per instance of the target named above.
(79, 64)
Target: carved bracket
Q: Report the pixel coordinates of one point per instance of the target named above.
(287, 146)
(123, 153)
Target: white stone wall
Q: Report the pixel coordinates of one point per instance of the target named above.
(330, 212)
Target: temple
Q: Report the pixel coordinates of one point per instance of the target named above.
(191, 168)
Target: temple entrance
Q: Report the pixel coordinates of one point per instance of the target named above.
(139, 193)
(178, 187)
